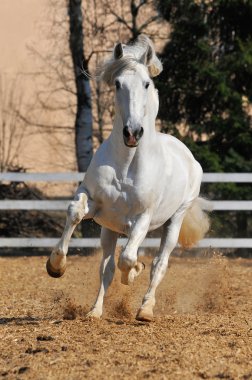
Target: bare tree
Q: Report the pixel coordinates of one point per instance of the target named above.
(12, 128)
(64, 98)
(106, 22)
(83, 121)
(136, 17)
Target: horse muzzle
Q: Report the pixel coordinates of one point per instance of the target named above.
(131, 138)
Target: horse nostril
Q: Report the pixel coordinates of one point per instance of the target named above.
(126, 132)
(139, 133)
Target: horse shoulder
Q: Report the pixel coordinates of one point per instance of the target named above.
(176, 148)
(179, 164)
(100, 172)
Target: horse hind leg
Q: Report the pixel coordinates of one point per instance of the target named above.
(107, 269)
(77, 210)
(159, 265)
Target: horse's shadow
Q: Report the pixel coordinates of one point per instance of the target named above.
(27, 320)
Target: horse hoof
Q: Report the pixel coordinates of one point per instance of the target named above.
(93, 314)
(144, 316)
(140, 266)
(54, 272)
(128, 278)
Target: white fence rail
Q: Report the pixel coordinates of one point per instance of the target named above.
(55, 205)
(95, 243)
(78, 177)
(61, 205)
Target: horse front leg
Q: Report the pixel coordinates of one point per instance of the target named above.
(159, 266)
(127, 263)
(77, 210)
(107, 269)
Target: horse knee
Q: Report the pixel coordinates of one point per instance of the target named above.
(78, 208)
(76, 212)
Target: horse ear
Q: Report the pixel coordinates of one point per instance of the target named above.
(118, 51)
(150, 60)
(147, 56)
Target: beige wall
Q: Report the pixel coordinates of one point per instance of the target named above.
(26, 23)
(19, 26)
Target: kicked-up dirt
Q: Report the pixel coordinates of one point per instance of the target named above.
(202, 327)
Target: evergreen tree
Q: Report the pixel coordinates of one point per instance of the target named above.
(207, 79)
(206, 84)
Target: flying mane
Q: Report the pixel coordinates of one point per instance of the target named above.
(132, 55)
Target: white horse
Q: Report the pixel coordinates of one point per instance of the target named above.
(138, 180)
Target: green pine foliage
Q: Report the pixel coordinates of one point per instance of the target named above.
(206, 85)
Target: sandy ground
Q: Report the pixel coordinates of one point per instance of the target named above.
(202, 328)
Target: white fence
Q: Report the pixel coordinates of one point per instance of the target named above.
(61, 205)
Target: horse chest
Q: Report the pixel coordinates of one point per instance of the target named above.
(118, 203)
(121, 195)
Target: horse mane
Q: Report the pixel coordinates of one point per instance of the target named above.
(132, 56)
(111, 68)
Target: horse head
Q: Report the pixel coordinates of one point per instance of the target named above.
(130, 70)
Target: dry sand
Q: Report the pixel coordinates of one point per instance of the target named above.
(202, 327)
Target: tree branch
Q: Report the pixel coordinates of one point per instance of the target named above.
(148, 22)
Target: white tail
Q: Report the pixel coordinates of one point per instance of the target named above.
(195, 224)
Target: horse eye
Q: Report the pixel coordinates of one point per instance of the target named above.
(147, 85)
(117, 84)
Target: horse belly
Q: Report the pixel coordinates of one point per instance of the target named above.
(162, 214)
(170, 199)
(112, 220)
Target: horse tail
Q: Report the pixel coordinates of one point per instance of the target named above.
(195, 224)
